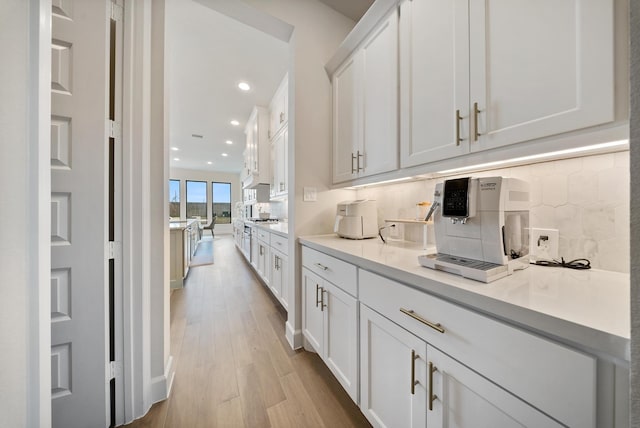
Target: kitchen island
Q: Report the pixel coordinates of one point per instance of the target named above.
(543, 335)
(184, 241)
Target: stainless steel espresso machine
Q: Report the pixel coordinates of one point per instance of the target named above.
(481, 227)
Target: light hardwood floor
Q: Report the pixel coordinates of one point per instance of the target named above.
(234, 367)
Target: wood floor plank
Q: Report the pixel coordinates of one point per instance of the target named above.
(234, 366)
(254, 410)
(229, 414)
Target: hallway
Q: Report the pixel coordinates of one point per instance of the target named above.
(234, 367)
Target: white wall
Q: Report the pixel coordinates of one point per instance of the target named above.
(25, 218)
(208, 176)
(318, 31)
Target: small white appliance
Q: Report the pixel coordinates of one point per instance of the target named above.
(357, 219)
(481, 227)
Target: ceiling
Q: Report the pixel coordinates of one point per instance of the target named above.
(208, 54)
(353, 9)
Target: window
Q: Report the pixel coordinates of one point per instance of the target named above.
(174, 198)
(197, 199)
(221, 197)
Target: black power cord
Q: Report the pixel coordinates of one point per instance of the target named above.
(380, 232)
(579, 264)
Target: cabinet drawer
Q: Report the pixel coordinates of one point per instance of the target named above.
(336, 271)
(264, 236)
(280, 243)
(555, 379)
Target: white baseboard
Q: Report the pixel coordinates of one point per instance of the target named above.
(161, 385)
(294, 337)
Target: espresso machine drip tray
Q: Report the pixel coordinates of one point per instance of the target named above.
(467, 268)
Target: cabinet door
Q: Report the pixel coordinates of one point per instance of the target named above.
(434, 80)
(273, 186)
(462, 398)
(540, 68)
(380, 99)
(346, 129)
(275, 283)
(341, 337)
(312, 311)
(264, 261)
(284, 283)
(389, 395)
(283, 158)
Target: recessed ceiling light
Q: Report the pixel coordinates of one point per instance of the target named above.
(209, 163)
(234, 122)
(244, 86)
(229, 142)
(175, 149)
(176, 159)
(224, 154)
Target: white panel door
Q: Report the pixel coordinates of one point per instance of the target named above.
(461, 398)
(390, 396)
(346, 120)
(341, 337)
(540, 68)
(434, 80)
(79, 210)
(312, 310)
(380, 99)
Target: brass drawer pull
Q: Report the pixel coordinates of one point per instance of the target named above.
(414, 382)
(322, 304)
(437, 327)
(432, 396)
(476, 110)
(458, 119)
(321, 266)
(317, 298)
(353, 158)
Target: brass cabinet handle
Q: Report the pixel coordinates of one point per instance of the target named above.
(261, 250)
(322, 304)
(281, 116)
(317, 298)
(458, 119)
(353, 158)
(432, 396)
(412, 314)
(476, 110)
(321, 266)
(360, 155)
(414, 382)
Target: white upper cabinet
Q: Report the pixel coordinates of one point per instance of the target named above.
(279, 136)
(279, 108)
(540, 68)
(365, 107)
(434, 80)
(480, 74)
(257, 168)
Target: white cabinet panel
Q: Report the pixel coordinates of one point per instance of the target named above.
(365, 107)
(434, 83)
(388, 356)
(341, 337)
(380, 99)
(461, 398)
(346, 132)
(540, 68)
(312, 310)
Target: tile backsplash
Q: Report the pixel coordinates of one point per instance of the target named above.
(586, 199)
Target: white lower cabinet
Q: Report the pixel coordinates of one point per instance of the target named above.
(263, 265)
(461, 398)
(330, 324)
(393, 377)
(279, 283)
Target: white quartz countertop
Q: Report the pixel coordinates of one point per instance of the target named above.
(587, 308)
(280, 228)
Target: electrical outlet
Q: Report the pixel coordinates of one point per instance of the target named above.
(544, 244)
